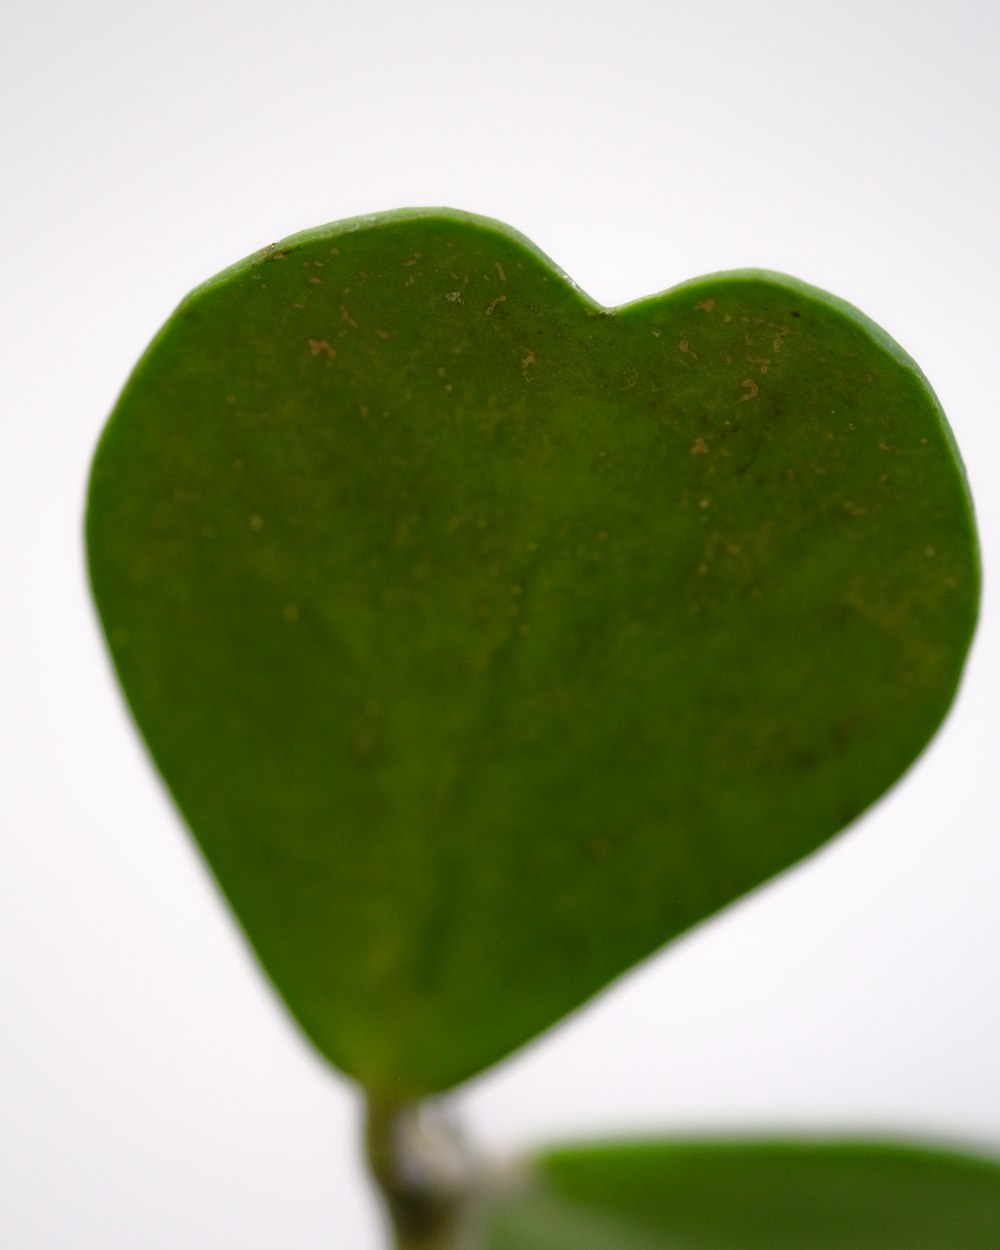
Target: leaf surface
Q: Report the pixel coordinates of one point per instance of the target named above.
(780, 1195)
(488, 639)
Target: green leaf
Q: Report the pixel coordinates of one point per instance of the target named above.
(488, 639)
(752, 1196)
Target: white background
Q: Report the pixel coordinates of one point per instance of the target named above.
(152, 1096)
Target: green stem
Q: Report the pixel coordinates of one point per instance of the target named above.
(423, 1173)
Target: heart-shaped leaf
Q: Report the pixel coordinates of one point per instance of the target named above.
(487, 638)
(752, 1196)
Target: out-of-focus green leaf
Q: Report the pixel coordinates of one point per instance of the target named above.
(752, 1196)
